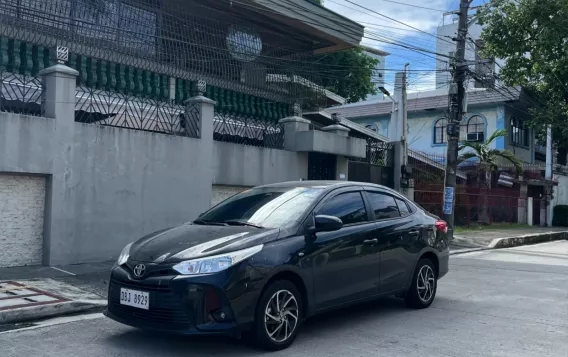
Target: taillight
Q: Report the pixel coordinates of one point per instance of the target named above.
(441, 226)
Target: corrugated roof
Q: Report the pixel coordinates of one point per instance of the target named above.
(422, 101)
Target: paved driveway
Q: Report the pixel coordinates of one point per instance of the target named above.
(510, 302)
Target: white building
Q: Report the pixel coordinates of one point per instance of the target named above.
(446, 47)
(379, 74)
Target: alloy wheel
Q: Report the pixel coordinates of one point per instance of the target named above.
(426, 283)
(281, 316)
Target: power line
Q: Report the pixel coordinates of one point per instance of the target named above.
(416, 6)
(377, 37)
(397, 21)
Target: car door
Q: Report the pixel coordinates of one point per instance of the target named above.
(396, 229)
(345, 263)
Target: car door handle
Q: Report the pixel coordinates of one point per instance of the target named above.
(371, 241)
(414, 233)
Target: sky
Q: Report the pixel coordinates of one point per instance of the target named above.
(423, 19)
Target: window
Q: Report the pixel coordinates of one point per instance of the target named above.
(372, 127)
(519, 132)
(440, 135)
(484, 67)
(402, 207)
(383, 205)
(475, 124)
(349, 207)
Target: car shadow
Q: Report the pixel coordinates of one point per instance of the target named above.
(140, 342)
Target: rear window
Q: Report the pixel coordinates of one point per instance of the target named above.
(383, 205)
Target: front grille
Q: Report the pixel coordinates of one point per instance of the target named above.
(165, 310)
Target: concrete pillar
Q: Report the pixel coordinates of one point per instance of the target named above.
(342, 168)
(206, 109)
(59, 104)
(408, 192)
(398, 162)
(59, 94)
(530, 211)
(291, 126)
(396, 125)
(522, 203)
(543, 211)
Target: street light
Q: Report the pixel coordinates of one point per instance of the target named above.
(387, 93)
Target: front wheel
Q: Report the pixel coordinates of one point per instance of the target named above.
(424, 284)
(278, 316)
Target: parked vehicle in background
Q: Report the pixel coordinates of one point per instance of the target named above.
(261, 262)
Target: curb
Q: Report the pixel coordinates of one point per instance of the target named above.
(49, 310)
(509, 242)
(527, 239)
(468, 250)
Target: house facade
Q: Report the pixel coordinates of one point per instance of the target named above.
(122, 117)
(487, 111)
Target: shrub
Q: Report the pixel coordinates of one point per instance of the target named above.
(560, 216)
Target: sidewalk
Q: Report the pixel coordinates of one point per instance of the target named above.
(36, 292)
(503, 238)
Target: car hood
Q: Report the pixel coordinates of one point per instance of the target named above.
(191, 241)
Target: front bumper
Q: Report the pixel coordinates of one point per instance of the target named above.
(188, 305)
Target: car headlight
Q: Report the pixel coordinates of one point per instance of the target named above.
(217, 263)
(123, 257)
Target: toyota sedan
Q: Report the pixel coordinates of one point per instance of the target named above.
(261, 262)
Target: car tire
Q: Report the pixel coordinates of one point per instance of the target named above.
(424, 284)
(270, 332)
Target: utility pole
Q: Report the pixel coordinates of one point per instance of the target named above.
(549, 172)
(457, 93)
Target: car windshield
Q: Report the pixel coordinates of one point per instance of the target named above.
(263, 207)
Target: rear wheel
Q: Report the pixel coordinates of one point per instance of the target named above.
(278, 316)
(424, 284)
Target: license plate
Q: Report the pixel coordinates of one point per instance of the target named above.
(134, 298)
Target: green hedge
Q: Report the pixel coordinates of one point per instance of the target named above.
(560, 216)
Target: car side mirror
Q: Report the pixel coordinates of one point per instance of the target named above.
(325, 223)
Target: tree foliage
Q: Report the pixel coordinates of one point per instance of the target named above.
(348, 73)
(486, 158)
(532, 37)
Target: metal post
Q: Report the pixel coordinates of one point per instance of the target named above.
(456, 102)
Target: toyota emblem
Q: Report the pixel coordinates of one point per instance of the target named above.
(139, 270)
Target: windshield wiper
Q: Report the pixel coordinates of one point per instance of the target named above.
(209, 223)
(242, 223)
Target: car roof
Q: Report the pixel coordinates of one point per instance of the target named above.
(324, 184)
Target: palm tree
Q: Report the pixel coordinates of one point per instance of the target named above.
(486, 158)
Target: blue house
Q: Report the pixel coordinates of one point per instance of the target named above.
(487, 111)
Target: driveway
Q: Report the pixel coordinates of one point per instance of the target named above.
(508, 302)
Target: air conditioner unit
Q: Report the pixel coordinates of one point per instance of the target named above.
(474, 136)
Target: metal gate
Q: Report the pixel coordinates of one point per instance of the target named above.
(378, 165)
(321, 166)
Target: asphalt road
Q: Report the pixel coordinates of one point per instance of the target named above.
(510, 302)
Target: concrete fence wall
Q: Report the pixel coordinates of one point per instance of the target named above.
(108, 186)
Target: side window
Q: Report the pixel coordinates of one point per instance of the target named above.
(349, 207)
(383, 205)
(402, 207)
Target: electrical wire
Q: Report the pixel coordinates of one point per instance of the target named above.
(394, 20)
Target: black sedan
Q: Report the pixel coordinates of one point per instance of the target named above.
(261, 262)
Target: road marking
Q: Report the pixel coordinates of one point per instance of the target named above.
(57, 321)
(63, 271)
